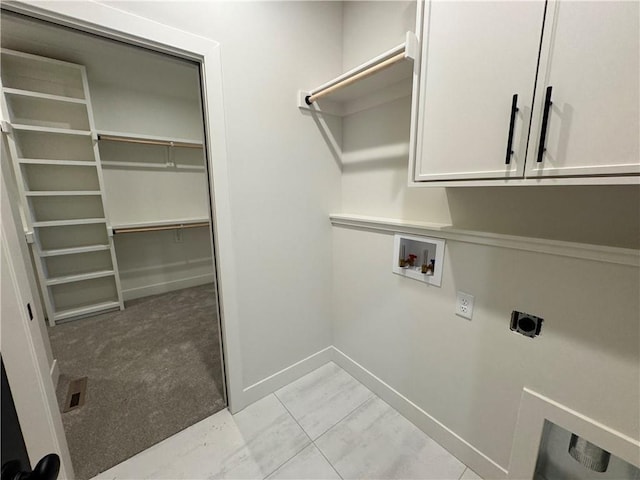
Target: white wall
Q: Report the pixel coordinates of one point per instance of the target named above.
(130, 108)
(295, 272)
(469, 375)
(600, 215)
(383, 27)
(183, 264)
(283, 178)
(374, 180)
(376, 141)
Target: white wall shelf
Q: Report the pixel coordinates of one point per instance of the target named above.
(42, 161)
(161, 223)
(162, 166)
(43, 96)
(170, 162)
(583, 251)
(419, 258)
(79, 277)
(70, 251)
(106, 136)
(24, 71)
(66, 223)
(340, 94)
(73, 313)
(64, 193)
(62, 131)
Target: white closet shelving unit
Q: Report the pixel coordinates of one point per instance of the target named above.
(157, 190)
(364, 86)
(139, 152)
(48, 120)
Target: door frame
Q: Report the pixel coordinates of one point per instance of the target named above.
(110, 22)
(23, 349)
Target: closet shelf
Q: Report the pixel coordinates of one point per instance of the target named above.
(44, 61)
(63, 193)
(160, 225)
(65, 223)
(159, 166)
(79, 277)
(43, 96)
(85, 310)
(149, 139)
(383, 71)
(64, 131)
(70, 251)
(42, 161)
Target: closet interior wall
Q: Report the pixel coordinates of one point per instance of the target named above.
(140, 94)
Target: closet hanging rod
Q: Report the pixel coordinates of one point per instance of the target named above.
(309, 99)
(164, 143)
(174, 226)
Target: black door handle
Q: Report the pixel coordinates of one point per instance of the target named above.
(47, 469)
(512, 121)
(545, 123)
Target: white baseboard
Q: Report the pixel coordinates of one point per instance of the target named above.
(285, 376)
(55, 372)
(463, 450)
(165, 287)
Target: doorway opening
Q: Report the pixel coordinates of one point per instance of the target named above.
(110, 173)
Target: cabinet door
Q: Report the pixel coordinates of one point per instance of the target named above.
(475, 57)
(589, 59)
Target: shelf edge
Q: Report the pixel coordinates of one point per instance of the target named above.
(583, 251)
(142, 136)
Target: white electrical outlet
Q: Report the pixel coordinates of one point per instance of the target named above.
(464, 305)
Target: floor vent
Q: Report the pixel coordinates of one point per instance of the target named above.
(76, 394)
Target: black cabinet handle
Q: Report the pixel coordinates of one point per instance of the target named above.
(512, 121)
(545, 122)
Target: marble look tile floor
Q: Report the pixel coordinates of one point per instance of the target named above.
(326, 425)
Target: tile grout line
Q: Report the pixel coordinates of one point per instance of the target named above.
(463, 472)
(310, 439)
(328, 461)
(298, 452)
(346, 415)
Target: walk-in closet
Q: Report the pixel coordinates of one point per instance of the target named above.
(104, 145)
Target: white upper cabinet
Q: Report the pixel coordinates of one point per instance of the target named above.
(582, 61)
(590, 65)
(476, 56)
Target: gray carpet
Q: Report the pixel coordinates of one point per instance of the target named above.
(153, 369)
